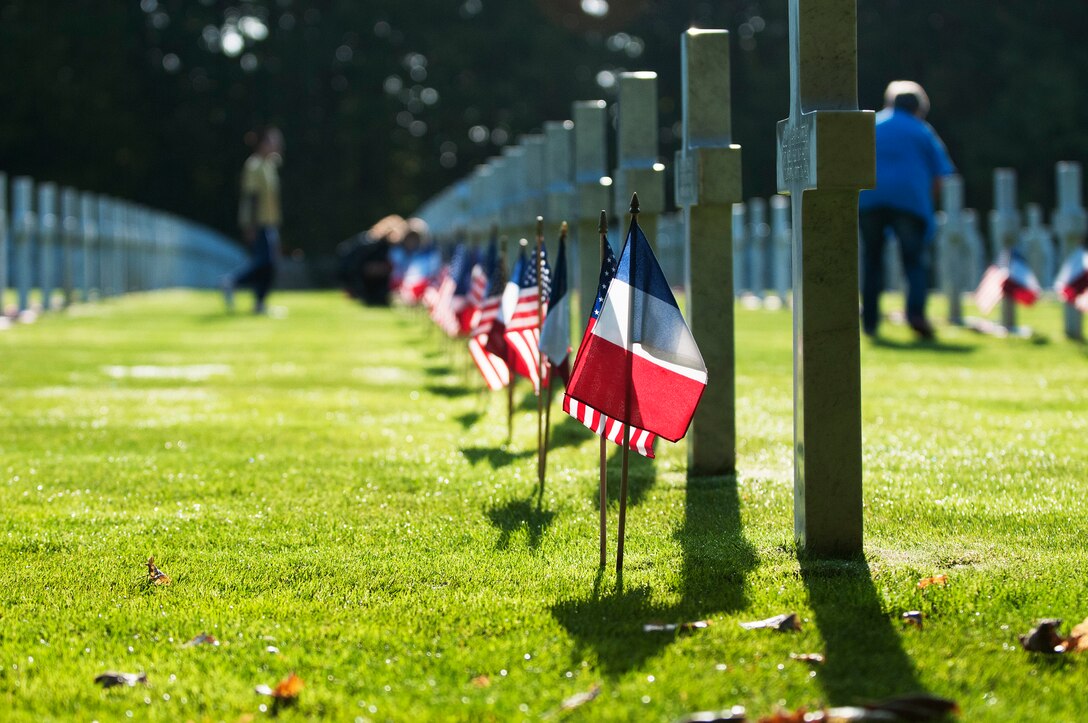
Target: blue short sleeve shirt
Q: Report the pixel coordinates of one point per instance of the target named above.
(909, 156)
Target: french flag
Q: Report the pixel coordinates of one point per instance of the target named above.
(1072, 280)
(640, 364)
(1021, 284)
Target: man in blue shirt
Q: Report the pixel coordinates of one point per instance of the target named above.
(910, 161)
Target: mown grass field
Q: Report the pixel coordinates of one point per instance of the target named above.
(332, 485)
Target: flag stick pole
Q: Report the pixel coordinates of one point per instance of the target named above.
(602, 229)
(545, 360)
(513, 377)
(540, 361)
(620, 527)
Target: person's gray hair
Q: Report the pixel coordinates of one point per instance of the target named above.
(907, 93)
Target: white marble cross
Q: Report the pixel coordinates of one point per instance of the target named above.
(825, 155)
(1071, 226)
(708, 183)
(953, 252)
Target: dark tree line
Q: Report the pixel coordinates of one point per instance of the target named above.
(385, 102)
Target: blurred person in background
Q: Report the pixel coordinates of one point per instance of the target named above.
(259, 218)
(910, 162)
(368, 261)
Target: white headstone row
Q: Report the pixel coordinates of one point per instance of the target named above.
(963, 254)
(60, 245)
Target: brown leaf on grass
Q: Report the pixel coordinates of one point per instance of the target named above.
(111, 678)
(675, 627)
(913, 617)
(938, 580)
(481, 681)
(736, 714)
(202, 639)
(782, 623)
(286, 690)
(579, 699)
(1044, 638)
(155, 576)
(1078, 638)
(814, 658)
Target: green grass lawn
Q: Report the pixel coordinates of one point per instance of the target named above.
(332, 485)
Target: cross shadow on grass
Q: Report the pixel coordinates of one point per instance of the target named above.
(517, 514)
(934, 345)
(865, 659)
(495, 456)
(716, 560)
(438, 371)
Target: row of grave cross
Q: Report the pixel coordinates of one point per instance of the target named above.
(74, 246)
(825, 157)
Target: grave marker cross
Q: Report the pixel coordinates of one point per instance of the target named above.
(825, 155)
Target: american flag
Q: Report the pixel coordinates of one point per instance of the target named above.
(422, 266)
(493, 367)
(639, 440)
(1011, 276)
(449, 311)
(522, 332)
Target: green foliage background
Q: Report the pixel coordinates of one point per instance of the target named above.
(87, 99)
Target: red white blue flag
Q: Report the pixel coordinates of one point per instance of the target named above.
(1072, 280)
(639, 364)
(493, 367)
(1010, 276)
(638, 439)
(522, 304)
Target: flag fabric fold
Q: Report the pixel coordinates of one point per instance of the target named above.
(555, 335)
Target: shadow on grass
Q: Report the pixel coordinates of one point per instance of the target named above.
(438, 371)
(567, 432)
(515, 515)
(449, 390)
(496, 456)
(468, 419)
(865, 659)
(716, 561)
(936, 345)
(641, 477)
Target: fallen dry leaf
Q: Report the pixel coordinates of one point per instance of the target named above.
(481, 681)
(580, 698)
(814, 658)
(285, 692)
(913, 617)
(202, 639)
(939, 580)
(154, 575)
(1078, 638)
(1044, 638)
(781, 623)
(674, 627)
(111, 678)
(736, 714)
